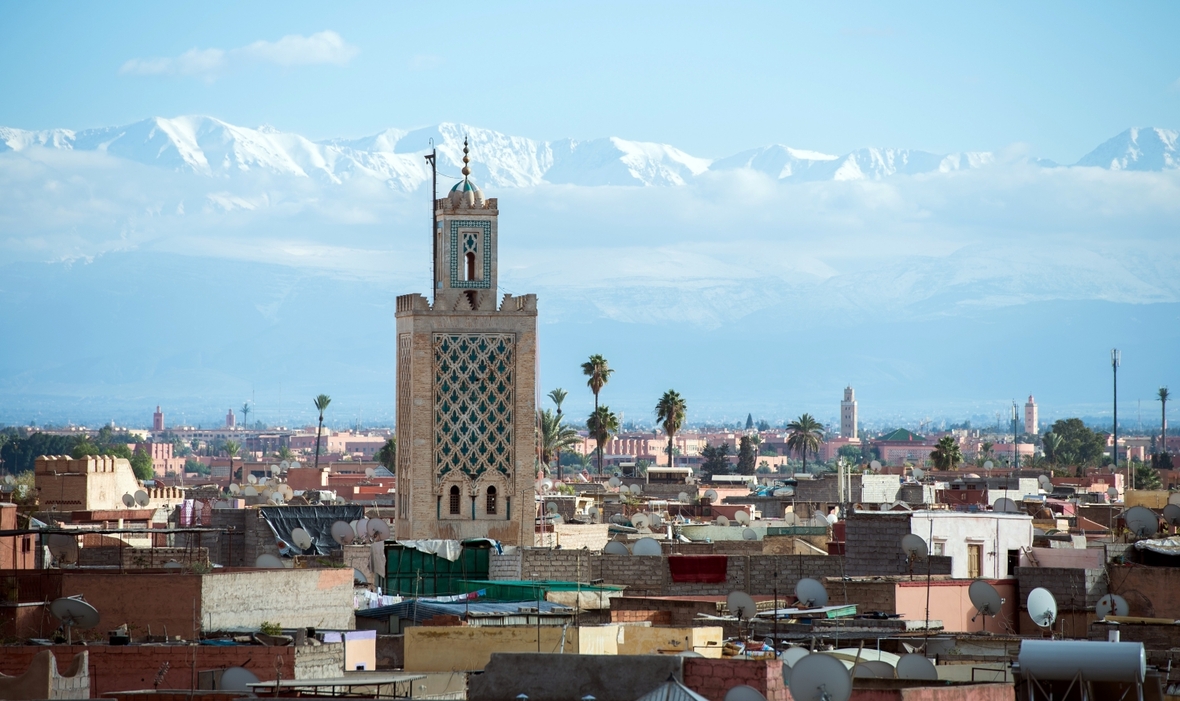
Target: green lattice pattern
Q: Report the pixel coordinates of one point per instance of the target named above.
(473, 395)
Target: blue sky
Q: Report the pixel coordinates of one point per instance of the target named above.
(712, 79)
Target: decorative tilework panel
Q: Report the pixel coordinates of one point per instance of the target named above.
(474, 391)
(469, 244)
(403, 405)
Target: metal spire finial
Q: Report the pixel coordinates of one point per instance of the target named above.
(466, 160)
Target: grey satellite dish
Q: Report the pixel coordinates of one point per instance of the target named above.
(741, 517)
(594, 514)
(250, 491)
(141, 497)
(878, 668)
(655, 521)
(173, 565)
(640, 521)
(378, 530)
(647, 546)
(1005, 505)
(362, 528)
(267, 561)
(128, 500)
(616, 548)
(743, 692)
(359, 577)
(614, 482)
(637, 489)
(722, 521)
(741, 604)
(1112, 494)
(811, 593)
(919, 473)
(876, 465)
(749, 534)
(1042, 607)
(234, 488)
(342, 533)
(251, 478)
(369, 472)
(283, 465)
(1045, 482)
(820, 677)
(301, 538)
(618, 519)
(1111, 604)
(295, 465)
(682, 498)
(1172, 514)
(986, 599)
(275, 498)
(916, 666)
(711, 494)
(551, 507)
(1174, 498)
(913, 546)
(73, 612)
(793, 654)
(237, 679)
(63, 548)
(988, 464)
(1141, 521)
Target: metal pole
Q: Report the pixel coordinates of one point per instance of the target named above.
(1115, 360)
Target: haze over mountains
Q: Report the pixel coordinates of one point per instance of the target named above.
(198, 264)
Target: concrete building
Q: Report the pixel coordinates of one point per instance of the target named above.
(466, 387)
(848, 414)
(93, 483)
(158, 419)
(1030, 416)
(902, 446)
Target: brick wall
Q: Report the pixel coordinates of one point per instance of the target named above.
(140, 557)
(867, 595)
(505, 566)
(873, 543)
(656, 618)
(1074, 589)
(712, 678)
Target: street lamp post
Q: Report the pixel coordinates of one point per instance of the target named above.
(1116, 358)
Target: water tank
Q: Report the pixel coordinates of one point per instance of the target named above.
(1095, 661)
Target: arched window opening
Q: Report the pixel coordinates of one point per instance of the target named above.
(491, 501)
(455, 500)
(470, 265)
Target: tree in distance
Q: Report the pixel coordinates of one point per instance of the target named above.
(598, 372)
(1146, 477)
(746, 456)
(558, 396)
(1051, 445)
(555, 435)
(602, 424)
(387, 455)
(231, 449)
(1080, 446)
(804, 434)
(715, 460)
(947, 454)
(1164, 396)
(284, 453)
(321, 403)
(670, 412)
(245, 413)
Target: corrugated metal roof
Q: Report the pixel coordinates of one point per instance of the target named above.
(419, 611)
(672, 690)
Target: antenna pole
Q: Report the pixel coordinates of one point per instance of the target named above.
(432, 158)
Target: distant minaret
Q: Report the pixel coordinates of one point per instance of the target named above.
(158, 419)
(1030, 416)
(229, 419)
(848, 414)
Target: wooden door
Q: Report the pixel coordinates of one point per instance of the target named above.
(974, 560)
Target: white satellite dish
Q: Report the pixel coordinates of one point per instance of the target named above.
(749, 534)
(683, 498)
(128, 500)
(551, 507)
(359, 577)
(655, 520)
(141, 497)
(283, 465)
(295, 465)
(986, 599)
(251, 478)
(640, 521)
(234, 488)
(250, 491)
(361, 527)
(275, 498)
(616, 548)
(1174, 498)
(647, 546)
(1045, 482)
(743, 692)
(1141, 521)
(1112, 494)
(267, 492)
(342, 533)
(793, 654)
(918, 473)
(915, 666)
(546, 484)
(741, 604)
(820, 677)
(1042, 607)
(1005, 505)
(876, 465)
(287, 491)
(301, 538)
(268, 562)
(614, 482)
(722, 521)
(637, 489)
(237, 679)
(810, 593)
(874, 669)
(369, 472)
(73, 612)
(711, 495)
(1111, 604)
(63, 548)
(913, 546)
(1172, 514)
(741, 517)
(988, 464)
(378, 530)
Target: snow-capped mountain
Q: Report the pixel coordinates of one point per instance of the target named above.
(210, 147)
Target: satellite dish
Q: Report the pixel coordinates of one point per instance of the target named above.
(916, 666)
(874, 669)
(251, 478)
(722, 521)
(283, 465)
(741, 604)
(594, 514)
(743, 692)
(128, 500)
(749, 534)
(1045, 482)
(546, 484)
(913, 546)
(683, 498)
(741, 517)
(369, 472)
(614, 482)
(1174, 498)
(647, 546)
(1142, 521)
(811, 593)
(234, 488)
(301, 538)
(287, 491)
(831, 518)
(618, 519)
(173, 565)
(711, 494)
(793, 654)
(1112, 493)
(378, 530)
(1005, 505)
(640, 521)
(342, 533)
(1111, 604)
(141, 497)
(551, 507)
(268, 562)
(73, 612)
(1172, 514)
(295, 465)
(988, 464)
(985, 598)
(237, 679)
(275, 498)
(9, 479)
(267, 492)
(876, 465)
(361, 527)
(250, 491)
(919, 473)
(1042, 607)
(820, 677)
(64, 548)
(359, 577)
(655, 519)
(616, 548)
(637, 489)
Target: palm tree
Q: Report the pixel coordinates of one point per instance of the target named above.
(246, 414)
(670, 412)
(1164, 396)
(284, 453)
(598, 370)
(602, 424)
(554, 436)
(231, 449)
(1051, 442)
(387, 455)
(946, 455)
(804, 434)
(558, 396)
(321, 403)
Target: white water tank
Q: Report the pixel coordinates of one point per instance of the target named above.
(1095, 661)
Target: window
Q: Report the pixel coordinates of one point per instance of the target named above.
(939, 548)
(491, 501)
(454, 500)
(26, 544)
(470, 265)
(1013, 562)
(974, 560)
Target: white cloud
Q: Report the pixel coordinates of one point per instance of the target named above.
(325, 47)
